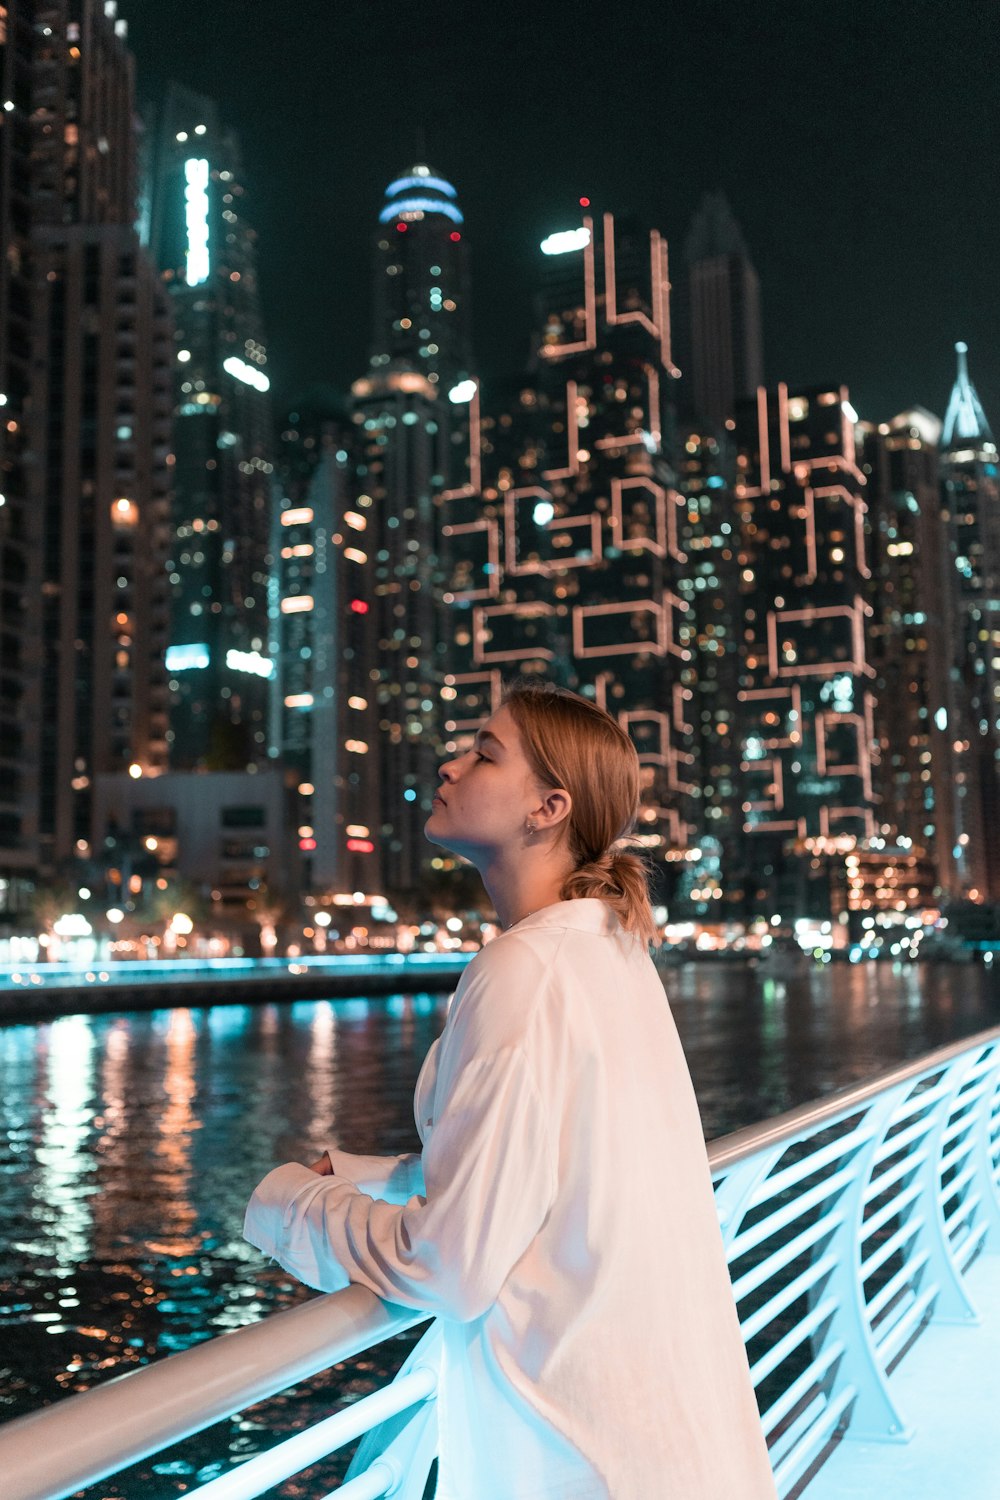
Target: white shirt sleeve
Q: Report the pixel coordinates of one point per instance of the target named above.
(394, 1179)
(490, 1178)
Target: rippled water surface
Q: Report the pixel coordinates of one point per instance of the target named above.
(130, 1144)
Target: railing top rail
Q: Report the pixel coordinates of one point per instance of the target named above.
(78, 1441)
(727, 1150)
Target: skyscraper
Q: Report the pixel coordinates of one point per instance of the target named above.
(805, 705)
(20, 574)
(322, 646)
(421, 304)
(720, 343)
(713, 886)
(564, 550)
(222, 476)
(922, 802)
(405, 423)
(971, 499)
(98, 429)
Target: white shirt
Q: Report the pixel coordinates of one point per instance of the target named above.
(560, 1224)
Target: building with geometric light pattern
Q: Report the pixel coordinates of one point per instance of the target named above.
(563, 547)
(805, 701)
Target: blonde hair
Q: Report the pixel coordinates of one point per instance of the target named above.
(570, 742)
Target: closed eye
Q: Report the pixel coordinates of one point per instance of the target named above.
(480, 756)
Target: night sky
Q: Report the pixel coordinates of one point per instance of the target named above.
(858, 145)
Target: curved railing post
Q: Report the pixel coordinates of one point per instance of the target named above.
(988, 1163)
(735, 1192)
(952, 1303)
(873, 1413)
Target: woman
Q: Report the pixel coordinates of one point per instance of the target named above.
(560, 1221)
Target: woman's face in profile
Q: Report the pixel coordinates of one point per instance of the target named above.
(485, 795)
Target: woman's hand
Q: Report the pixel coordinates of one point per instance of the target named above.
(323, 1167)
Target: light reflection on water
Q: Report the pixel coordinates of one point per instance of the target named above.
(131, 1142)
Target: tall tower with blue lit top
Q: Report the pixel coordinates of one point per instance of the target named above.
(412, 440)
(421, 302)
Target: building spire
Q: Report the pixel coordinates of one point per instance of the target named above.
(965, 421)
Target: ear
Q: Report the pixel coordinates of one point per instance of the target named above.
(553, 810)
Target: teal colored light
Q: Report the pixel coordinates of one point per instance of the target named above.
(186, 658)
(437, 184)
(421, 205)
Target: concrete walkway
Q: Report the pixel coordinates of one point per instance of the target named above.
(948, 1389)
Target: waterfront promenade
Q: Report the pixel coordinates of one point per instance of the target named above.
(40, 992)
(946, 1388)
(131, 1140)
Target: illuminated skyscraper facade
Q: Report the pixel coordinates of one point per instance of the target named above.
(404, 454)
(564, 546)
(19, 520)
(421, 298)
(219, 558)
(971, 499)
(712, 887)
(805, 702)
(97, 431)
(323, 696)
(921, 775)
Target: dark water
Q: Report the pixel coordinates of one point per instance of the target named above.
(130, 1143)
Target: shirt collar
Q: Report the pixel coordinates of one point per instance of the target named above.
(582, 914)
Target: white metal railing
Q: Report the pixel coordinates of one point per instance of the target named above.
(848, 1225)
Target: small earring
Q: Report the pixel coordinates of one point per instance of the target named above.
(530, 828)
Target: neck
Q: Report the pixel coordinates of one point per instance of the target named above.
(519, 884)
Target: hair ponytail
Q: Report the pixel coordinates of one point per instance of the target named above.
(621, 879)
(572, 743)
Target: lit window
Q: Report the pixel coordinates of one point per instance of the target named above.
(300, 517)
(355, 554)
(124, 512)
(299, 700)
(297, 604)
(356, 747)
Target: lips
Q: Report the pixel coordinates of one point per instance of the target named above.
(438, 798)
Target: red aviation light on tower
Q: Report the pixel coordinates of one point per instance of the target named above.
(584, 202)
(400, 228)
(359, 606)
(455, 236)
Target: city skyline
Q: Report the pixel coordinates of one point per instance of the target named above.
(720, 560)
(857, 210)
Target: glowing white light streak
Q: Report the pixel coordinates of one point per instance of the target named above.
(250, 661)
(196, 261)
(249, 374)
(565, 241)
